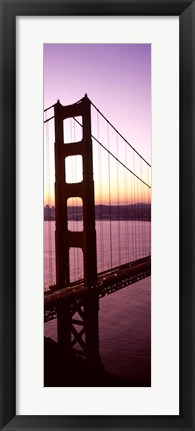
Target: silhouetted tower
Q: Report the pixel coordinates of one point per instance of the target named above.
(72, 331)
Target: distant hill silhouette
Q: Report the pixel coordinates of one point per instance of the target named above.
(139, 211)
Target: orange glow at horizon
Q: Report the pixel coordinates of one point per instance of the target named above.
(144, 198)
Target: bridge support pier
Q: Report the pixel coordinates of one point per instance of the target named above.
(77, 327)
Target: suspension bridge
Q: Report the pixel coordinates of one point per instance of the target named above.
(100, 238)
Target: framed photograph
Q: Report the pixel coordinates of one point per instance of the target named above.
(107, 226)
(97, 236)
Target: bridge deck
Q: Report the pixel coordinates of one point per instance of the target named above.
(108, 282)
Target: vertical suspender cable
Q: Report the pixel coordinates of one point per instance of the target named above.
(100, 200)
(149, 230)
(135, 253)
(49, 227)
(118, 203)
(132, 214)
(142, 212)
(140, 220)
(125, 214)
(110, 213)
(127, 211)
(144, 218)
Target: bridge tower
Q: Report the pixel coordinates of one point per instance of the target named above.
(77, 321)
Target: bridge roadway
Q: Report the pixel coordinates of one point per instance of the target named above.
(108, 281)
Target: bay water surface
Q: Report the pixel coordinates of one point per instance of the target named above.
(124, 316)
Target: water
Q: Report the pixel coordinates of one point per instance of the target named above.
(124, 316)
(129, 240)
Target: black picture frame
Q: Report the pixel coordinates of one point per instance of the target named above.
(185, 9)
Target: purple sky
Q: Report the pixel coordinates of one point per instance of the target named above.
(116, 77)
